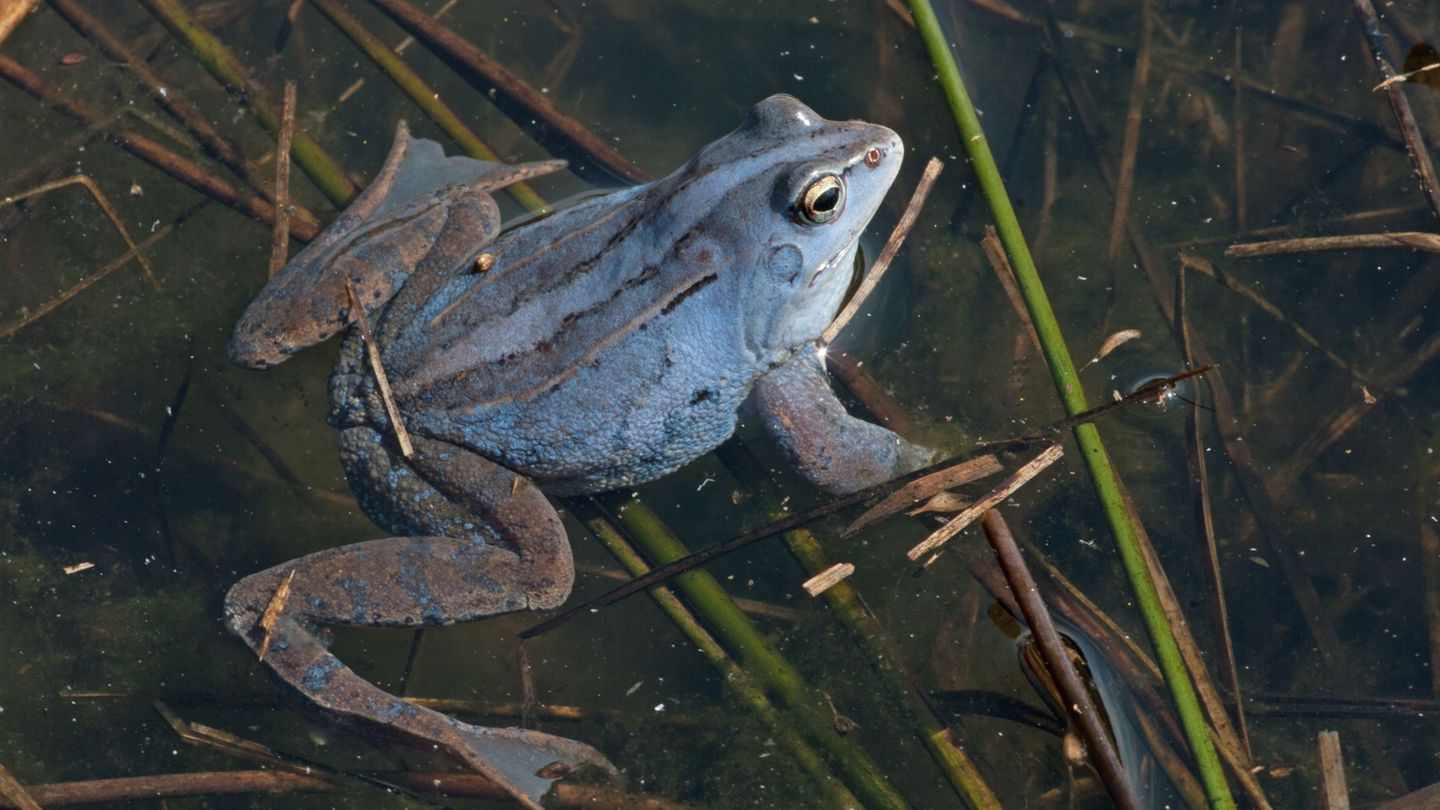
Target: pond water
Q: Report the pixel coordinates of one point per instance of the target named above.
(132, 444)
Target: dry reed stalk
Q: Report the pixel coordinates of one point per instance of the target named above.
(1210, 547)
(165, 160)
(1005, 274)
(402, 436)
(1130, 145)
(83, 284)
(525, 105)
(991, 499)
(280, 235)
(922, 489)
(1415, 240)
(887, 254)
(101, 200)
(1332, 772)
(1400, 106)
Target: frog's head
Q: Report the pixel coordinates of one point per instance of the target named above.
(798, 191)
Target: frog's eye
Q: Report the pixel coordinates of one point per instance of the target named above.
(821, 200)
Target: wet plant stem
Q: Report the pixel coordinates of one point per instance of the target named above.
(423, 95)
(149, 151)
(874, 641)
(1067, 383)
(318, 164)
(741, 686)
(757, 655)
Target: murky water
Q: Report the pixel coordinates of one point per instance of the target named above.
(130, 443)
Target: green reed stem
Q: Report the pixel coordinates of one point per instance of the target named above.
(327, 173)
(756, 654)
(737, 680)
(874, 641)
(1067, 383)
(423, 95)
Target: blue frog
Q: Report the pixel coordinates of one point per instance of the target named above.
(600, 347)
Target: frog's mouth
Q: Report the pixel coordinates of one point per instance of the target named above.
(830, 263)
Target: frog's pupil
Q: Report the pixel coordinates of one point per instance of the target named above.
(827, 199)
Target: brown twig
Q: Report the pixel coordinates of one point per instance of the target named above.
(882, 406)
(100, 200)
(1400, 106)
(525, 105)
(219, 62)
(151, 152)
(278, 783)
(280, 235)
(670, 569)
(402, 436)
(1200, 265)
(1005, 274)
(1050, 175)
(1079, 705)
(1242, 202)
(887, 253)
(991, 499)
(271, 616)
(174, 786)
(15, 792)
(1430, 571)
(922, 489)
(1130, 146)
(172, 99)
(84, 284)
(1415, 240)
(1349, 415)
(1210, 547)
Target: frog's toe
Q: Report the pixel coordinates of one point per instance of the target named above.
(531, 760)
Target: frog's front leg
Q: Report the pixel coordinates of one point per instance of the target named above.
(495, 545)
(837, 452)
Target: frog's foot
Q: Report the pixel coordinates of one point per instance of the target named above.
(837, 452)
(425, 580)
(422, 208)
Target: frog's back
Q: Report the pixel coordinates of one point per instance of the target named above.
(593, 352)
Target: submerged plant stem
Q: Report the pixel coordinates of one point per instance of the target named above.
(423, 95)
(759, 657)
(1067, 383)
(743, 687)
(327, 173)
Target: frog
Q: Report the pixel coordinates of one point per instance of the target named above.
(599, 347)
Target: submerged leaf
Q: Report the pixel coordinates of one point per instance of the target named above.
(1112, 343)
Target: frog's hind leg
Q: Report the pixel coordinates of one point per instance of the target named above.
(422, 580)
(423, 210)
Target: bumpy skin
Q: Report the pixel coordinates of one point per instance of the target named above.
(605, 345)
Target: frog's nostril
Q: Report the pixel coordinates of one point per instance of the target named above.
(872, 157)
